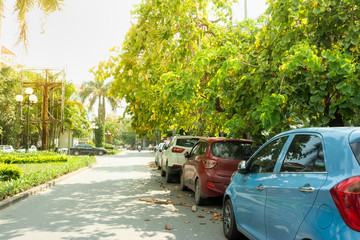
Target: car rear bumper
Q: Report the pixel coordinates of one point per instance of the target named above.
(214, 185)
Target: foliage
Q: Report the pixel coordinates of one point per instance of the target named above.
(31, 157)
(10, 125)
(23, 8)
(36, 174)
(108, 146)
(99, 135)
(75, 114)
(97, 91)
(8, 172)
(296, 66)
(128, 138)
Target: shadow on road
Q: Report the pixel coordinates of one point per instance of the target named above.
(104, 203)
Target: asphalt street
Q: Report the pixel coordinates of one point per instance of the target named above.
(122, 197)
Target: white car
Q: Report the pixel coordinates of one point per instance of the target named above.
(32, 148)
(158, 152)
(173, 157)
(6, 148)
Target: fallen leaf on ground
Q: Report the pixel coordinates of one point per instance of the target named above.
(200, 216)
(187, 222)
(176, 210)
(181, 203)
(194, 209)
(167, 227)
(202, 223)
(146, 220)
(214, 218)
(180, 195)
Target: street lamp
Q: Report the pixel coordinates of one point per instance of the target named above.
(31, 99)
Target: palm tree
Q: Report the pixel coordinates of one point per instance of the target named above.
(23, 7)
(97, 91)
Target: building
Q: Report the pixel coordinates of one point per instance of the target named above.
(7, 57)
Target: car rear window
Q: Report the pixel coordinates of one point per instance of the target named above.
(232, 150)
(355, 147)
(187, 142)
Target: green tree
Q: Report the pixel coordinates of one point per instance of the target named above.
(297, 66)
(97, 91)
(153, 69)
(99, 135)
(10, 123)
(75, 115)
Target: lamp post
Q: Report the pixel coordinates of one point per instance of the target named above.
(31, 99)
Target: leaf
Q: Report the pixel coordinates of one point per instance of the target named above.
(167, 227)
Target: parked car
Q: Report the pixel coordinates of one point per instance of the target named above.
(301, 184)
(210, 164)
(6, 148)
(87, 149)
(158, 152)
(173, 157)
(32, 148)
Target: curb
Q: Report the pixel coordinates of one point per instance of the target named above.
(23, 195)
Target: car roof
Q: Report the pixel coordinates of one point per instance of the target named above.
(187, 137)
(223, 139)
(325, 131)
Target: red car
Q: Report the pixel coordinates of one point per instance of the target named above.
(209, 166)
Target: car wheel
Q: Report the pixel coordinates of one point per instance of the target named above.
(76, 153)
(229, 224)
(163, 173)
(199, 199)
(182, 185)
(168, 175)
(101, 153)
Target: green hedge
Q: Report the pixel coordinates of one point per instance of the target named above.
(38, 157)
(8, 172)
(39, 173)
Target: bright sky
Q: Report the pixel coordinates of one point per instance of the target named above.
(80, 35)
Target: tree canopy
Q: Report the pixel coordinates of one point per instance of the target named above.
(186, 65)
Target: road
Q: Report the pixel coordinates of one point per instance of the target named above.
(122, 197)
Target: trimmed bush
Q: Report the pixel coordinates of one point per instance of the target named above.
(8, 172)
(36, 174)
(25, 158)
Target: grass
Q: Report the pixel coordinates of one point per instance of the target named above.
(39, 173)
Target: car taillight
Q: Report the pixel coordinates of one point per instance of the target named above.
(346, 195)
(210, 163)
(177, 150)
(210, 184)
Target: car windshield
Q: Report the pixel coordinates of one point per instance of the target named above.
(232, 150)
(186, 142)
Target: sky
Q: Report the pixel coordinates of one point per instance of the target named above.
(80, 36)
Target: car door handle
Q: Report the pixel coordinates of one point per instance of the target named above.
(260, 187)
(306, 189)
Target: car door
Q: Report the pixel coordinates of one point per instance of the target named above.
(250, 188)
(292, 191)
(189, 168)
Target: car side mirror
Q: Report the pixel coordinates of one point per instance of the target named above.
(242, 167)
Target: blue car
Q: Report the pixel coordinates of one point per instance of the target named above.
(301, 184)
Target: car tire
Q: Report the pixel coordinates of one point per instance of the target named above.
(168, 175)
(199, 199)
(101, 153)
(76, 153)
(182, 183)
(229, 224)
